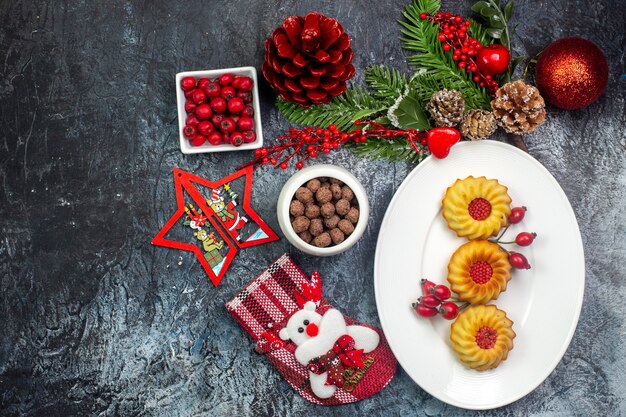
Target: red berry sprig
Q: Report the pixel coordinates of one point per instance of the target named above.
(454, 37)
(219, 111)
(436, 299)
(516, 259)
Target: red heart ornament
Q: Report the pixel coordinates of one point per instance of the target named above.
(441, 139)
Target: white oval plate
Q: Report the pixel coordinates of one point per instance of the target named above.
(544, 302)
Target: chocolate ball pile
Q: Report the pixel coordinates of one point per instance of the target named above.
(324, 211)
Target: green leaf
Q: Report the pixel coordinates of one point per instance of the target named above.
(516, 62)
(494, 33)
(409, 114)
(508, 10)
(479, 6)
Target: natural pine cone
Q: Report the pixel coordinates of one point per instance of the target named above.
(518, 107)
(308, 59)
(478, 124)
(446, 107)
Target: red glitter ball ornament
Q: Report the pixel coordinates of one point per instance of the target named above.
(571, 73)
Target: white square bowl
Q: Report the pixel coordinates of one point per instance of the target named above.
(185, 146)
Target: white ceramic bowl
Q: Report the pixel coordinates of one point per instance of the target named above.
(302, 177)
(185, 146)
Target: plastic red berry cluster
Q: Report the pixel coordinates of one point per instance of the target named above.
(219, 111)
(434, 301)
(516, 259)
(454, 37)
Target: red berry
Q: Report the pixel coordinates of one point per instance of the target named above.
(249, 136)
(197, 140)
(190, 106)
(236, 82)
(203, 111)
(236, 138)
(202, 83)
(212, 89)
(426, 286)
(225, 79)
(216, 119)
(245, 123)
(423, 16)
(425, 311)
(525, 238)
(248, 111)
(518, 261)
(235, 105)
(215, 138)
(199, 96)
(188, 83)
(189, 93)
(189, 131)
(245, 84)
(429, 300)
(218, 104)
(192, 120)
(205, 127)
(227, 93)
(283, 165)
(449, 310)
(246, 96)
(517, 215)
(299, 165)
(441, 292)
(227, 125)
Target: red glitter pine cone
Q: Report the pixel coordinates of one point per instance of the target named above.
(308, 59)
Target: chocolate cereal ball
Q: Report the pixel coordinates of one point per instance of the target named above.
(345, 226)
(331, 222)
(323, 195)
(335, 181)
(304, 195)
(313, 185)
(337, 236)
(316, 227)
(353, 215)
(312, 211)
(336, 190)
(327, 210)
(300, 224)
(347, 193)
(342, 207)
(322, 240)
(296, 208)
(306, 236)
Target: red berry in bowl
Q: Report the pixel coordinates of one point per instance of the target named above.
(197, 140)
(236, 138)
(517, 215)
(190, 106)
(202, 83)
(218, 104)
(227, 92)
(518, 261)
(449, 310)
(212, 89)
(203, 111)
(216, 119)
(235, 105)
(245, 123)
(441, 292)
(246, 96)
(525, 238)
(188, 83)
(227, 125)
(189, 93)
(189, 131)
(236, 82)
(205, 127)
(248, 111)
(429, 301)
(425, 311)
(215, 138)
(192, 120)
(199, 96)
(226, 79)
(245, 84)
(249, 136)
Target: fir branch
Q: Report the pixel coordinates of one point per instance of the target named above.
(355, 104)
(387, 84)
(421, 38)
(392, 150)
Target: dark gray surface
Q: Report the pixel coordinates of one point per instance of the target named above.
(97, 322)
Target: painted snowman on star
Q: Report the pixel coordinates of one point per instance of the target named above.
(315, 335)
